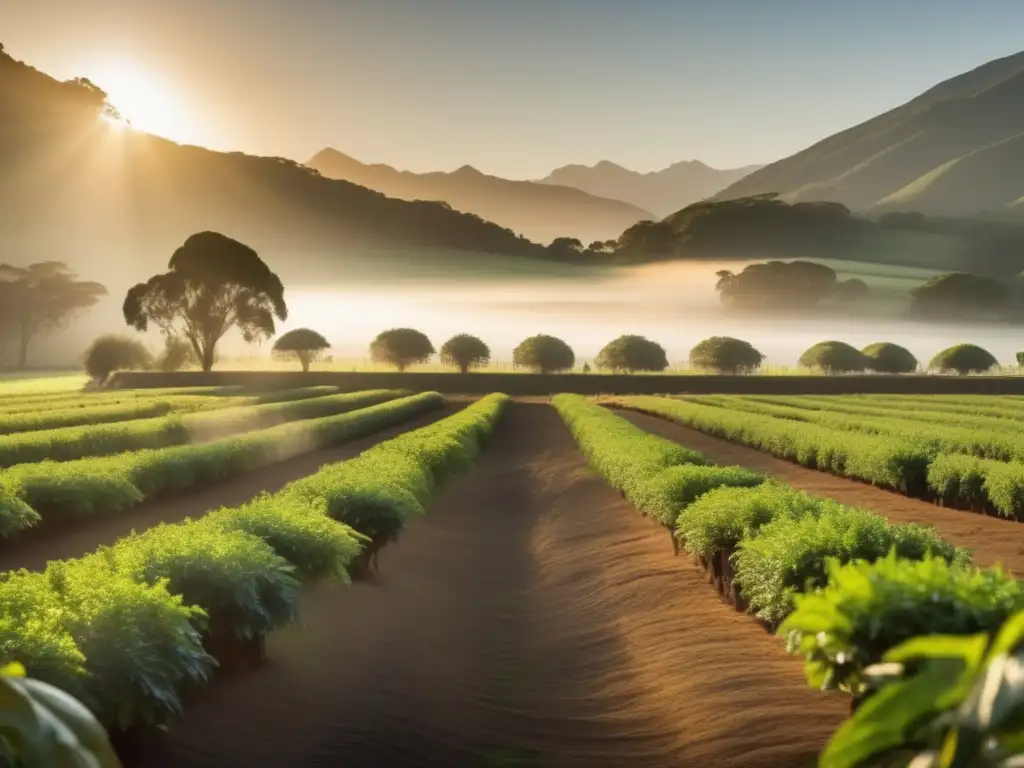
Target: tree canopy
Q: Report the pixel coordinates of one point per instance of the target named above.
(544, 354)
(961, 296)
(114, 352)
(777, 285)
(834, 357)
(464, 352)
(401, 347)
(883, 357)
(301, 343)
(214, 284)
(632, 353)
(963, 359)
(38, 299)
(724, 354)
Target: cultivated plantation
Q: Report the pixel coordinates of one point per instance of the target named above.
(389, 576)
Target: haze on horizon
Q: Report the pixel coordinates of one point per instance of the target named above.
(514, 89)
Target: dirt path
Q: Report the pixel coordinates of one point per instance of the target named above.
(34, 552)
(992, 540)
(533, 614)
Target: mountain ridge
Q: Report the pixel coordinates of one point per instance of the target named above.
(663, 191)
(539, 211)
(963, 133)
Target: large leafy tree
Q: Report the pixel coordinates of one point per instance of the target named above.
(214, 284)
(304, 344)
(40, 298)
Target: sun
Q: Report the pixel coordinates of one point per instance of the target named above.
(145, 102)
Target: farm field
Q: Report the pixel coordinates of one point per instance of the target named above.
(397, 578)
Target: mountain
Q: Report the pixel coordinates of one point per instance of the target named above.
(663, 192)
(538, 211)
(955, 150)
(113, 202)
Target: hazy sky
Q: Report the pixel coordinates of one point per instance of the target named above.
(513, 87)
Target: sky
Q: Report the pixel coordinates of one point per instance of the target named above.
(514, 88)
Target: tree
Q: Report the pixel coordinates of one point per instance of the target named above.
(834, 357)
(648, 238)
(401, 347)
(884, 357)
(544, 354)
(632, 353)
(724, 354)
(303, 344)
(1020, 359)
(776, 285)
(961, 296)
(41, 298)
(177, 354)
(113, 352)
(851, 291)
(465, 352)
(43, 725)
(963, 359)
(214, 284)
(568, 248)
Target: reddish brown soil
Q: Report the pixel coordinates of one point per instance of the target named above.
(992, 540)
(73, 541)
(532, 613)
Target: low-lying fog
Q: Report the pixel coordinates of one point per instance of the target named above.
(674, 304)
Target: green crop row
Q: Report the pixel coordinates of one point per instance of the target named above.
(957, 479)
(778, 543)
(899, 464)
(124, 629)
(61, 491)
(12, 403)
(105, 439)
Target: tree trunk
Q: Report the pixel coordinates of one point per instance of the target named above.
(23, 350)
(207, 360)
(464, 368)
(304, 359)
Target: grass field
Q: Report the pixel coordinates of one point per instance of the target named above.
(399, 578)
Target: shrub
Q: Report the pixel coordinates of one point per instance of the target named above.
(401, 347)
(302, 344)
(883, 357)
(464, 352)
(544, 354)
(177, 354)
(866, 609)
(677, 488)
(963, 359)
(834, 357)
(115, 353)
(632, 353)
(1020, 359)
(724, 354)
(789, 554)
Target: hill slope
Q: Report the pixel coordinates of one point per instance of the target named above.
(662, 192)
(537, 211)
(79, 188)
(957, 149)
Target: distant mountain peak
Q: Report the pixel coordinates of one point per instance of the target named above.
(467, 170)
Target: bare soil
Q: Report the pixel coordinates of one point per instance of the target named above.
(34, 551)
(992, 540)
(532, 618)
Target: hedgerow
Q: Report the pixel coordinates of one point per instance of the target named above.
(976, 483)
(105, 439)
(55, 491)
(35, 420)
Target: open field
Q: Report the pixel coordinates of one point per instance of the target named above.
(406, 579)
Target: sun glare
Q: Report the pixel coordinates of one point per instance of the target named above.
(144, 102)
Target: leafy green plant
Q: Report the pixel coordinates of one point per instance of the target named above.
(544, 354)
(724, 354)
(963, 359)
(885, 357)
(675, 489)
(866, 609)
(834, 357)
(632, 353)
(788, 555)
(42, 725)
(942, 701)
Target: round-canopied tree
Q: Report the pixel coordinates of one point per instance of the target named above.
(963, 359)
(113, 352)
(464, 352)
(544, 354)
(177, 354)
(401, 347)
(724, 354)
(834, 357)
(302, 344)
(883, 357)
(214, 284)
(632, 353)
